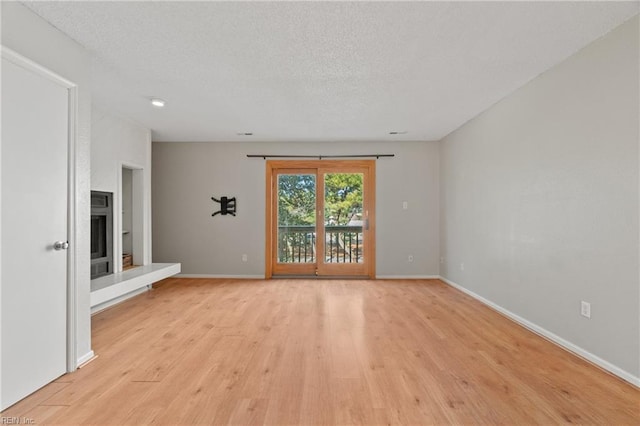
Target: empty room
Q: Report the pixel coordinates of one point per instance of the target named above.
(306, 213)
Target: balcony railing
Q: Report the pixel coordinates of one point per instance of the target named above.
(297, 244)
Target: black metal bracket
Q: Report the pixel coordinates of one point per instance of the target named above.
(227, 206)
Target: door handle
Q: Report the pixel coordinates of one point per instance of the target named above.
(61, 245)
(366, 224)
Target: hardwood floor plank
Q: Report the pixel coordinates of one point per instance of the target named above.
(35, 400)
(323, 352)
(45, 414)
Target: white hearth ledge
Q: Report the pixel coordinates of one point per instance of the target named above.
(114, 288)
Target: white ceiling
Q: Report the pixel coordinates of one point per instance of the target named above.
(326, 71)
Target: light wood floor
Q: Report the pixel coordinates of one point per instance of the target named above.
(287, 352)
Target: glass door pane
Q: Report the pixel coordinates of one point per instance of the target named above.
(343, 218)
(296, 220)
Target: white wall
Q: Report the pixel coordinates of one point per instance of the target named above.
(539, 200)
(30, 36)
(187, 175)
(117, 141)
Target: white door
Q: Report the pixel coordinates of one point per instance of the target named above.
(34, 216)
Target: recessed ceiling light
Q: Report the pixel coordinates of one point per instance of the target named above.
(398, 132)
(244, 133)
(157, 102)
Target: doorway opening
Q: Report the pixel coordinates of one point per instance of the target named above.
(320, 218)
(132, 219)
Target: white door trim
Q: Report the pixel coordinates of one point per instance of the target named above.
(72, 207)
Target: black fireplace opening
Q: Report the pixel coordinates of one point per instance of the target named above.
(101, 233)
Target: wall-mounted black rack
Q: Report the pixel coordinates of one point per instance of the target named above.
(320, 157)
(227, 206)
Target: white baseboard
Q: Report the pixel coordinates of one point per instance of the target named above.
(232, 277)
(85, 358)
(577, 350)
(407, 277)
(261, 277)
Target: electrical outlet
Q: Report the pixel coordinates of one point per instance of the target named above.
(405, 205)
(585, 309)
(462, 266)
(410, 258)
(245, 258)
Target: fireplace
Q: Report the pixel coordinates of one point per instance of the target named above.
(101, 233)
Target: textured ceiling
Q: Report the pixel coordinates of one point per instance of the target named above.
(327, 71)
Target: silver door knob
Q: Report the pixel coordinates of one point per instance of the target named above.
(61, 245)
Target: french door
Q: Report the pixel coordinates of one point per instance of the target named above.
(320, 218)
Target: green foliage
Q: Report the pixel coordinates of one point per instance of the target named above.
(297, 202)
(343, 197)
(296, 199)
